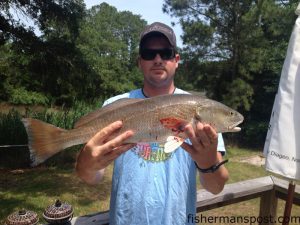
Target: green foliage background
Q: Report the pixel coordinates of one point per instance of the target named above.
(232, 50)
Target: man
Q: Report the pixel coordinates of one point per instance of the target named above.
(150, 186)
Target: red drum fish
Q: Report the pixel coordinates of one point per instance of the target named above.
(157, 119)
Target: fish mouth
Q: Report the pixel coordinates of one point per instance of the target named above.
(234, 128)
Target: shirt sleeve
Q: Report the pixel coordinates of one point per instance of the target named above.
(221, 146)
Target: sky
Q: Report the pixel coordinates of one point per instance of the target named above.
(151, 11)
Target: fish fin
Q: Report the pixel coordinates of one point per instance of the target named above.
(43, 140)
(172, 144)
(106, 109)
(201, 94)
(175, 124)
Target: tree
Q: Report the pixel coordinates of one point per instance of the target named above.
(212, 32)
(232, 32)
(236, 49)
(79, 55)
(48, 63)
(109, 41)
(46, 16)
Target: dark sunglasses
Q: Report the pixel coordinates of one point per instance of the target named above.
(164, 53)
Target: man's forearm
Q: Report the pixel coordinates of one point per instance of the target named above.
(214, 181)
(90, 177)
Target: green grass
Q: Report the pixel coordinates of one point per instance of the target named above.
(34, 189)
(235, 152)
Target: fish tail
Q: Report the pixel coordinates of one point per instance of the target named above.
(44, 140)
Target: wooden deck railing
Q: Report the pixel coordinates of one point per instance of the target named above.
(269, 189)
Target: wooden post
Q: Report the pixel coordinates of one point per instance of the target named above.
(268, 208)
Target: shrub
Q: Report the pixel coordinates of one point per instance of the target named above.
(22, 96)
(12, 132)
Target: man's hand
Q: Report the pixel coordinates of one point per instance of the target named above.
(204, 144)
(204, 152)
(100, 151)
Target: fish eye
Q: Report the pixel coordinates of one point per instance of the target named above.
(231, 113)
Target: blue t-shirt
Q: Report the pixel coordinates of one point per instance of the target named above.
(150, 186)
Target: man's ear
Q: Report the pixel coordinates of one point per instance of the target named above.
(177, 59)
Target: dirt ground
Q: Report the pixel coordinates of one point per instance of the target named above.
(256, 160)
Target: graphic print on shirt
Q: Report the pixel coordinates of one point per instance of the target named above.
(153, 152)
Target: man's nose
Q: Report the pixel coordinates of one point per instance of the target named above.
(157, 58)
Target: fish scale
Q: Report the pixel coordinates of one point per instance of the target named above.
(149, 129)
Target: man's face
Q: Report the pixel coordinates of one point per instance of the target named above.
(158, 72)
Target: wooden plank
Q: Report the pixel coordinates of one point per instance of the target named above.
(231, 194)
(234, 193)
(268, 207)
(281, 187)
(283, 196)
(101, 218)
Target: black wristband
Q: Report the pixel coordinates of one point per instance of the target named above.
(213, 168)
